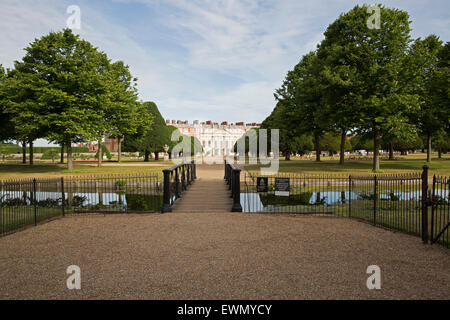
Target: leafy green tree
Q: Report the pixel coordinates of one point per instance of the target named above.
(289, 141)
(432, 115)
(122, 114)
(23, 109)
(374, 61)
(188, 143)
(103, 151)
(302, 97)
(332, 143)
(62, 89)
(402, 143)
(151, 138)
(245, 140)
(337, 84)
(362, 141)
(7, 131)
(442, 142)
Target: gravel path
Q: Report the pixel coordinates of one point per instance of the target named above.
(219, 256)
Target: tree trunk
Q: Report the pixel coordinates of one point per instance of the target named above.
(119, 149)
(342, 154)
(69, 154)
(376, 147)
(24, 152)
(391, 151)
(440, 153)
(100, 155)
(146, 158)
(428, 147)
(317, 146)
(31, 153)
(62, 153)
(156, 155)
(287, 156)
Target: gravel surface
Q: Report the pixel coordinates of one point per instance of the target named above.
(219, 256)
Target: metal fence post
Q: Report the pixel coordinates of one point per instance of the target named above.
(229, 175)
(375, 198)
(195, 169)
(236, 191)
(63, 196)
(425, 204)
(34, 201)
(349, 196)
(183, 178)
(177, 183)
(188, 174)
(166, 196)
(225, 170)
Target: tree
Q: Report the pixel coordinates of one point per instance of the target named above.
(337, 90)
(401, 143)
(122, 115)
(64, 81)
(6, 124)
(302, 97)
(152, 138)
(188, 143)
(245, 141)
(432, 115)
(374, 60)
(442, 142)
(332, 143)
(22, 107)
(289, 141)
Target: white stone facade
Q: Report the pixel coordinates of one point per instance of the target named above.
(216, 139)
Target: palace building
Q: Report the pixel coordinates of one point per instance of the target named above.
(216, 139)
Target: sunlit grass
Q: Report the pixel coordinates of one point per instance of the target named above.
(405, 164)
(16, 171)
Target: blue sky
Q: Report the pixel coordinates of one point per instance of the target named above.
(206, 60)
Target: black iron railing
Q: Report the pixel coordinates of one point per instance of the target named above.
(233, 179)
(401, 202)
(176, 181)
(440, 211)
(28, 202)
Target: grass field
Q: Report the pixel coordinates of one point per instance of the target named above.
(12, 218)
(20, 171)
(400, 165)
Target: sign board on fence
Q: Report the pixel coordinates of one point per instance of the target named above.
(262, 184)
(282, 187)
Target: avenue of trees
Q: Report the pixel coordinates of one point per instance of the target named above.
(364, 82)
(67, 91)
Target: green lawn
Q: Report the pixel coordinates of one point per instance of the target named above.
(20, 171)
(400, 165)
(12, 218)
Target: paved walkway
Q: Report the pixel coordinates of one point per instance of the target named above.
(209, 193)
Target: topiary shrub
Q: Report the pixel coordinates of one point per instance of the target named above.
(105, 151)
